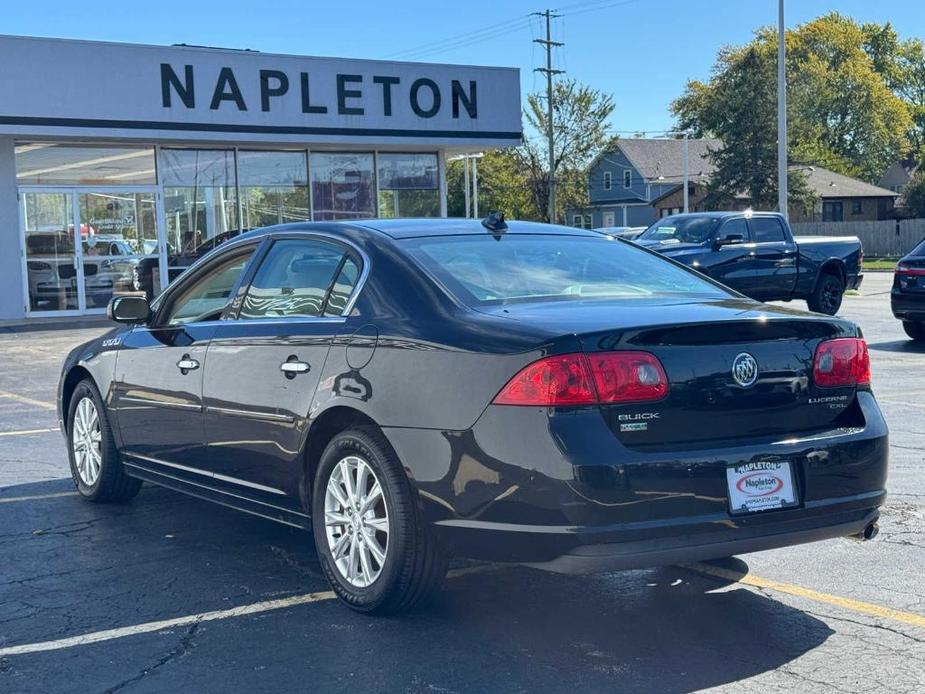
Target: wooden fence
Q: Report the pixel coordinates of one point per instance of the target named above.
(886, 239)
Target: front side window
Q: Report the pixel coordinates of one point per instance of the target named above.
(207, 297)
(683, 230)
(295, 279)
(735, 227)
(767, 230)
(482, 270)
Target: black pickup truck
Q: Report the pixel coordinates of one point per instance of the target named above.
(756, 254)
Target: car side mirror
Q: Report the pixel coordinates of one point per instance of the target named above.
(128, 309)
(728, 240)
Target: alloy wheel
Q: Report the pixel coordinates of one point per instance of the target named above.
(86, 440)
(356, 521)
(831, 294)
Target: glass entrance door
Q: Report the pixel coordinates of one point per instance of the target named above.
(83, 246)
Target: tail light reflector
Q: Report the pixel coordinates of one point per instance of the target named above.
(842, 362)
(587, 379)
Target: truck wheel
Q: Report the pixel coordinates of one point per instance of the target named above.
(827, 296)
(373, 546)
(915, 330)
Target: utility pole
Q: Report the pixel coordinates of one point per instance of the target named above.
(549, 44)
(687, 170)
(782, 206)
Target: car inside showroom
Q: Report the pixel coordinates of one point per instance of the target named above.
(124, 163)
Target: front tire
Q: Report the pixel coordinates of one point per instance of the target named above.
(915, 330)
(96, 469)
(827, 296)
(372, 544)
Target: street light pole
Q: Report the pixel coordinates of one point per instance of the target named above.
(782, 206)
(686, 170)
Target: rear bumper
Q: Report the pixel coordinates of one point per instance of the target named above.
(855, 282)
(525, 486)
(716, 545)
(908, 306)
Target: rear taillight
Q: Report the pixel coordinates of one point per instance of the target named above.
(587, 379)
(841, 362)
(903, 270)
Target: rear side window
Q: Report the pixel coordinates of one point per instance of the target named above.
(483, 270)
(767, 229)
(294, 279)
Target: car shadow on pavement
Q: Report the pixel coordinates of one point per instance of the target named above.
(82, 567)
(909, 346)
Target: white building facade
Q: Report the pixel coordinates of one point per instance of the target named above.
(117, 159)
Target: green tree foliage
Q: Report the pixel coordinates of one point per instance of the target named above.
(844, 111)
(739, 107)
(580, 132)
(914, 195)
(516, 181)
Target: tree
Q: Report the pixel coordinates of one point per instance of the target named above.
(739, 107)
(842, 111)
(580, 132)
(502, 185)
(914, 195)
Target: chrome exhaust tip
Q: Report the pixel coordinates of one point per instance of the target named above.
(868, 533)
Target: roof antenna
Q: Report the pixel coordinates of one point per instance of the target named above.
(494, 222)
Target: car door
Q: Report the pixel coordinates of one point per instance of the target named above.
(731, 263)
(157, 391)
(775, 252)
(263, 366)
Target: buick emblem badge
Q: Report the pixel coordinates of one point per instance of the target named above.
(745, 370)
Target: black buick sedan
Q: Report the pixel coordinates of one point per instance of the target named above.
(411, 390)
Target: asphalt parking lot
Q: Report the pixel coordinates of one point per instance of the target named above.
(169, 593)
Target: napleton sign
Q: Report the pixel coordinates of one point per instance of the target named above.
(103, 89)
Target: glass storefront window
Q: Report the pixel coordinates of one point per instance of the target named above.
(409, 185)
(199, 197)
(51, 260)
(53, 164)
(343, 186)
(273, 187)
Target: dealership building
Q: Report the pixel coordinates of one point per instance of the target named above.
(116, 160)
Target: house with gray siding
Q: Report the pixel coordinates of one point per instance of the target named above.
(624, 180)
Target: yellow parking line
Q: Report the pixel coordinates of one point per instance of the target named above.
(27, 401)
(801, 592)
(28, 432)
(37, 497)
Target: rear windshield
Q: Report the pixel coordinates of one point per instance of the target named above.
(681, 230)
(518, 267)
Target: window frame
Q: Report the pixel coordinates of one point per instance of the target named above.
(608, 180)
(627, 178)
(350, 249)
(166, 301)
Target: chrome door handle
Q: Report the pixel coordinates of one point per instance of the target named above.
(292, 368)
(187, 364)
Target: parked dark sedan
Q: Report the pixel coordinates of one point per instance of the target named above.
(416, 389)
(907, 298)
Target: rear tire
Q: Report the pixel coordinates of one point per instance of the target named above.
(827, 296)
(96, 469)
(413, 566)
(915, 330)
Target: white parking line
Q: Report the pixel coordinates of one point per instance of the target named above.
(243, 610)
(148, 627)
(27, 401)
(36, 497)
(29, 432)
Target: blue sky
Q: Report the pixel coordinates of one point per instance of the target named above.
(640, 54)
